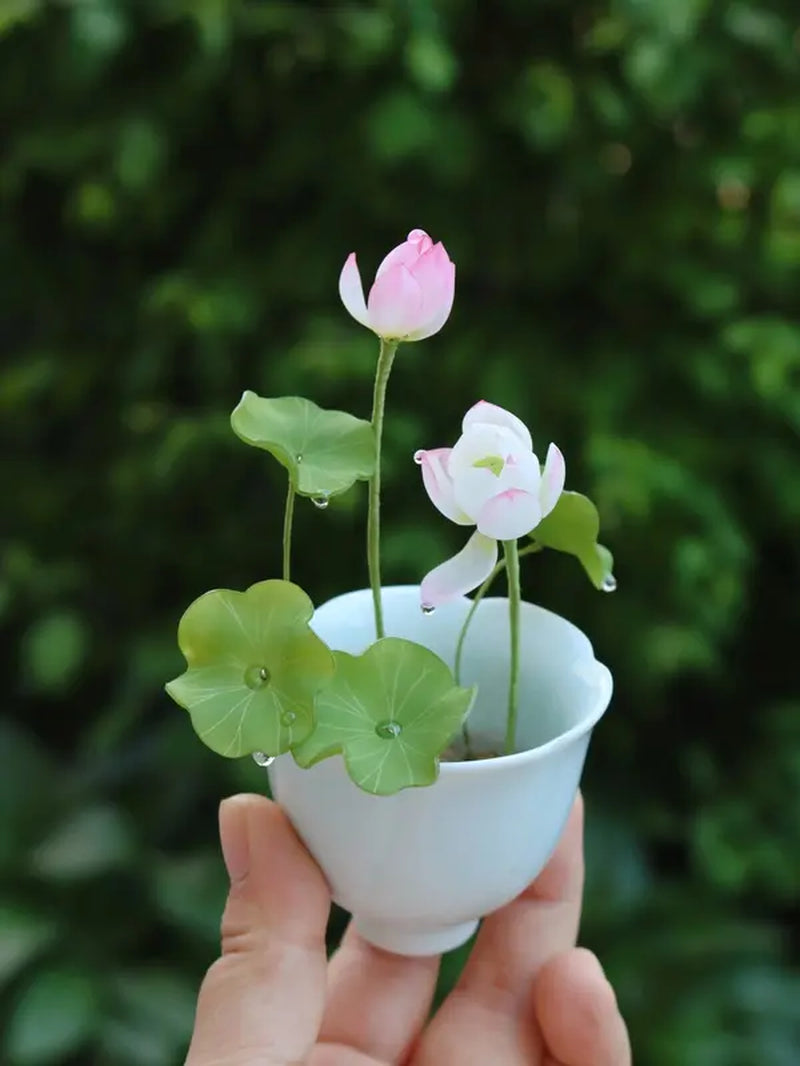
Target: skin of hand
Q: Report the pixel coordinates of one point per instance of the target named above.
(526, 997)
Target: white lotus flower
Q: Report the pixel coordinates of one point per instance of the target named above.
(491, 479)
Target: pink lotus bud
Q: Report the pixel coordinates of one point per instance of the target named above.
(412, 295)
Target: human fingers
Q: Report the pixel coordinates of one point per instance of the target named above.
(377, 1002)
(486, 1017)
(577, 1014)
(262, 1000)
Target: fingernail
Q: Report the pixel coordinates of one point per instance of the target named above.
(234, 837)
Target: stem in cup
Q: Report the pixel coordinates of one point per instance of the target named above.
(511, 552)
(500, 566)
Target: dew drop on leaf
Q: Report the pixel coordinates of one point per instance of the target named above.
(609, 583)
(288, 718)
(256, 677)
(320, 501)
(388, 730)
(260, 758)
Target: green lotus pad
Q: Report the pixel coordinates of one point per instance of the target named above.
(254, 668)
(325, 452)
(390, 712)
(572, 526)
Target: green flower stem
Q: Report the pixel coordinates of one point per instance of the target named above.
(511, 553)
(288, 515)
(385, 360)
(501, 565)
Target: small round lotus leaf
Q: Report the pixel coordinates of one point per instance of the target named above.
(390, 712)
(325, 452)
(254, 668)
(572, 527)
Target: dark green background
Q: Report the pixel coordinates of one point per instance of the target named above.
(619, 185)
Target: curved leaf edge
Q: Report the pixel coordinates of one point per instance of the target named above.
(595, 559)
(174, 689)
(287, 460)
(340, 748)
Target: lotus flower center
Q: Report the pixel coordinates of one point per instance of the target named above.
(495, 463)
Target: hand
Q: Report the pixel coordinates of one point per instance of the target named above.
(527, 996)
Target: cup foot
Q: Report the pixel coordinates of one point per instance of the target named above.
(402, 940)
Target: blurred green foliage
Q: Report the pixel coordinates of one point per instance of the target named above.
(619, 185)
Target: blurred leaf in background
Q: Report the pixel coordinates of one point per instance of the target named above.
(619, 185)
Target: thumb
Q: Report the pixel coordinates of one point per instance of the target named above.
(262, 1000)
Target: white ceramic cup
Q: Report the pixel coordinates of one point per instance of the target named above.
(418, 869)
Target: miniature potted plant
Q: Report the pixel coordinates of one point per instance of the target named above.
(426, 747)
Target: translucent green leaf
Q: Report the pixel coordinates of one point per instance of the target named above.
(390, 712)
(325, 452)
(53, 1017)
(572, 526)
(254, 667)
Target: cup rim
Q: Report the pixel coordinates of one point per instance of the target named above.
(499, 763)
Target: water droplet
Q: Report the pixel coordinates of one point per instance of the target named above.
(287, 718)
(256, 677)
(298, 458)
(388, 730)
(418, 457)
(260, 758)
(320, 501)
(609, 583)
(427, 608)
